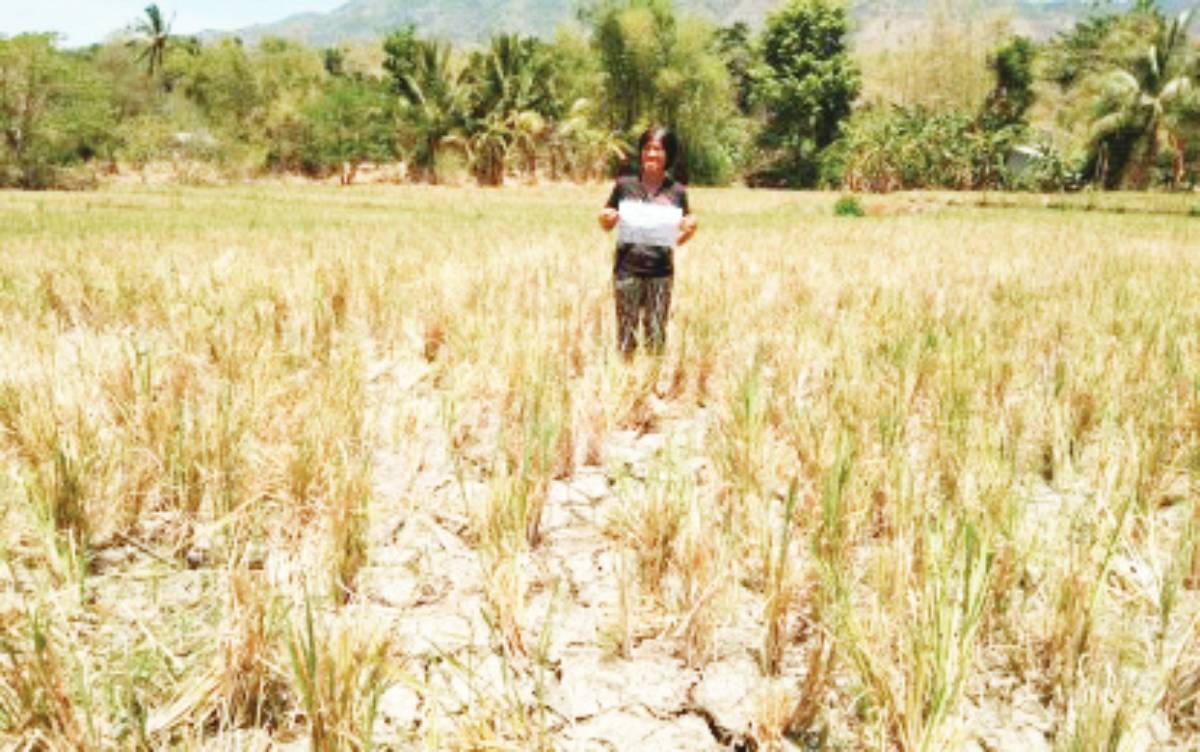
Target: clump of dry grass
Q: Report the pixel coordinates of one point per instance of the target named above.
(780, 589)
(1181, 700)
(702, 563)
(347, 510)
(251, 689)
(506, 586)
(650, 522)
(339, 670)
(38, 702)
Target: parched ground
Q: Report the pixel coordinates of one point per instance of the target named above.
(300, 467)
(566, 673)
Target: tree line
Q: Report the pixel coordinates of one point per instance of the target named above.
(1111, 102)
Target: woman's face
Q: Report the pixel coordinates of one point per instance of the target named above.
(654, 158)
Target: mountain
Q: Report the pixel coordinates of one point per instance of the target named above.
(462, 21)
(473, 21)
(456, 20)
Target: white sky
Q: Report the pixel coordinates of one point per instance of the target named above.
(83, 22)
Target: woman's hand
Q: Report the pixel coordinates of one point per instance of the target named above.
(687, 228)
(608, 218)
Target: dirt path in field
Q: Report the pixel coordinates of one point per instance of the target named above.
(561, 674)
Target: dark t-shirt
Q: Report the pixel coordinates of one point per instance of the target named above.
(635, 259)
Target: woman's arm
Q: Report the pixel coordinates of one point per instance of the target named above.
(608, 218)
(687, 228)
(609, 215)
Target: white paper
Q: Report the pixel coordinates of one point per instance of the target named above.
(648, 224)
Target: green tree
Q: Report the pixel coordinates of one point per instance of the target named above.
(132, 92)
(806, 84)
(633, 39)
(53, 112)
(1080, 51)
(579, 126)
(511, 90)
(660, 68)
(580, 149)
(433, 99)
(735, 45)
(400, 50)
(221, 81)
(284, 69)
(334, 61)
(513, 74)
(575, 69)
(529, 133)
(290, 78)
(350, 124)
(698, 100)
(1142, 107)
(1012, 96)
(487, 144)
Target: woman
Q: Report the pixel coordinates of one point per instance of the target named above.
(643, 272)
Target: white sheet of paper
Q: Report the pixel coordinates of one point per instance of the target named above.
(648, 224)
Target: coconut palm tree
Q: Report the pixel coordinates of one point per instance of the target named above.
(434, 103)
(579, 150)
(514, 73)
(529, 131)
(487, 149)
(1138, 112)
(154, 38)
(512, 99)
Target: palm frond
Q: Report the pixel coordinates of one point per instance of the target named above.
(155, 17)
(1110, 123)
(1180, 86)
(1153, 61)
(1121, 83)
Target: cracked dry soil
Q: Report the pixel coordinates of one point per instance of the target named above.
(425, 581)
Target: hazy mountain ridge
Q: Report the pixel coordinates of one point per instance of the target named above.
(473, 21)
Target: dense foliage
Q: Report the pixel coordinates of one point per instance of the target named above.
(1111, 101)
(53, 112)
(806, 85)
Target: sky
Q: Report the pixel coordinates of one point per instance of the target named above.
(83, 22)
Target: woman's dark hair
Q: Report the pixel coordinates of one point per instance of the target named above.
(676, 165)
(669, 141)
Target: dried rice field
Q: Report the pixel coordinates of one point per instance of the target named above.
(299, 467)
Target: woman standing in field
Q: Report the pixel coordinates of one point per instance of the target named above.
(643, 272)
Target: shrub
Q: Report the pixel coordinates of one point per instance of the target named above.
(848, 206)
(894, 148)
